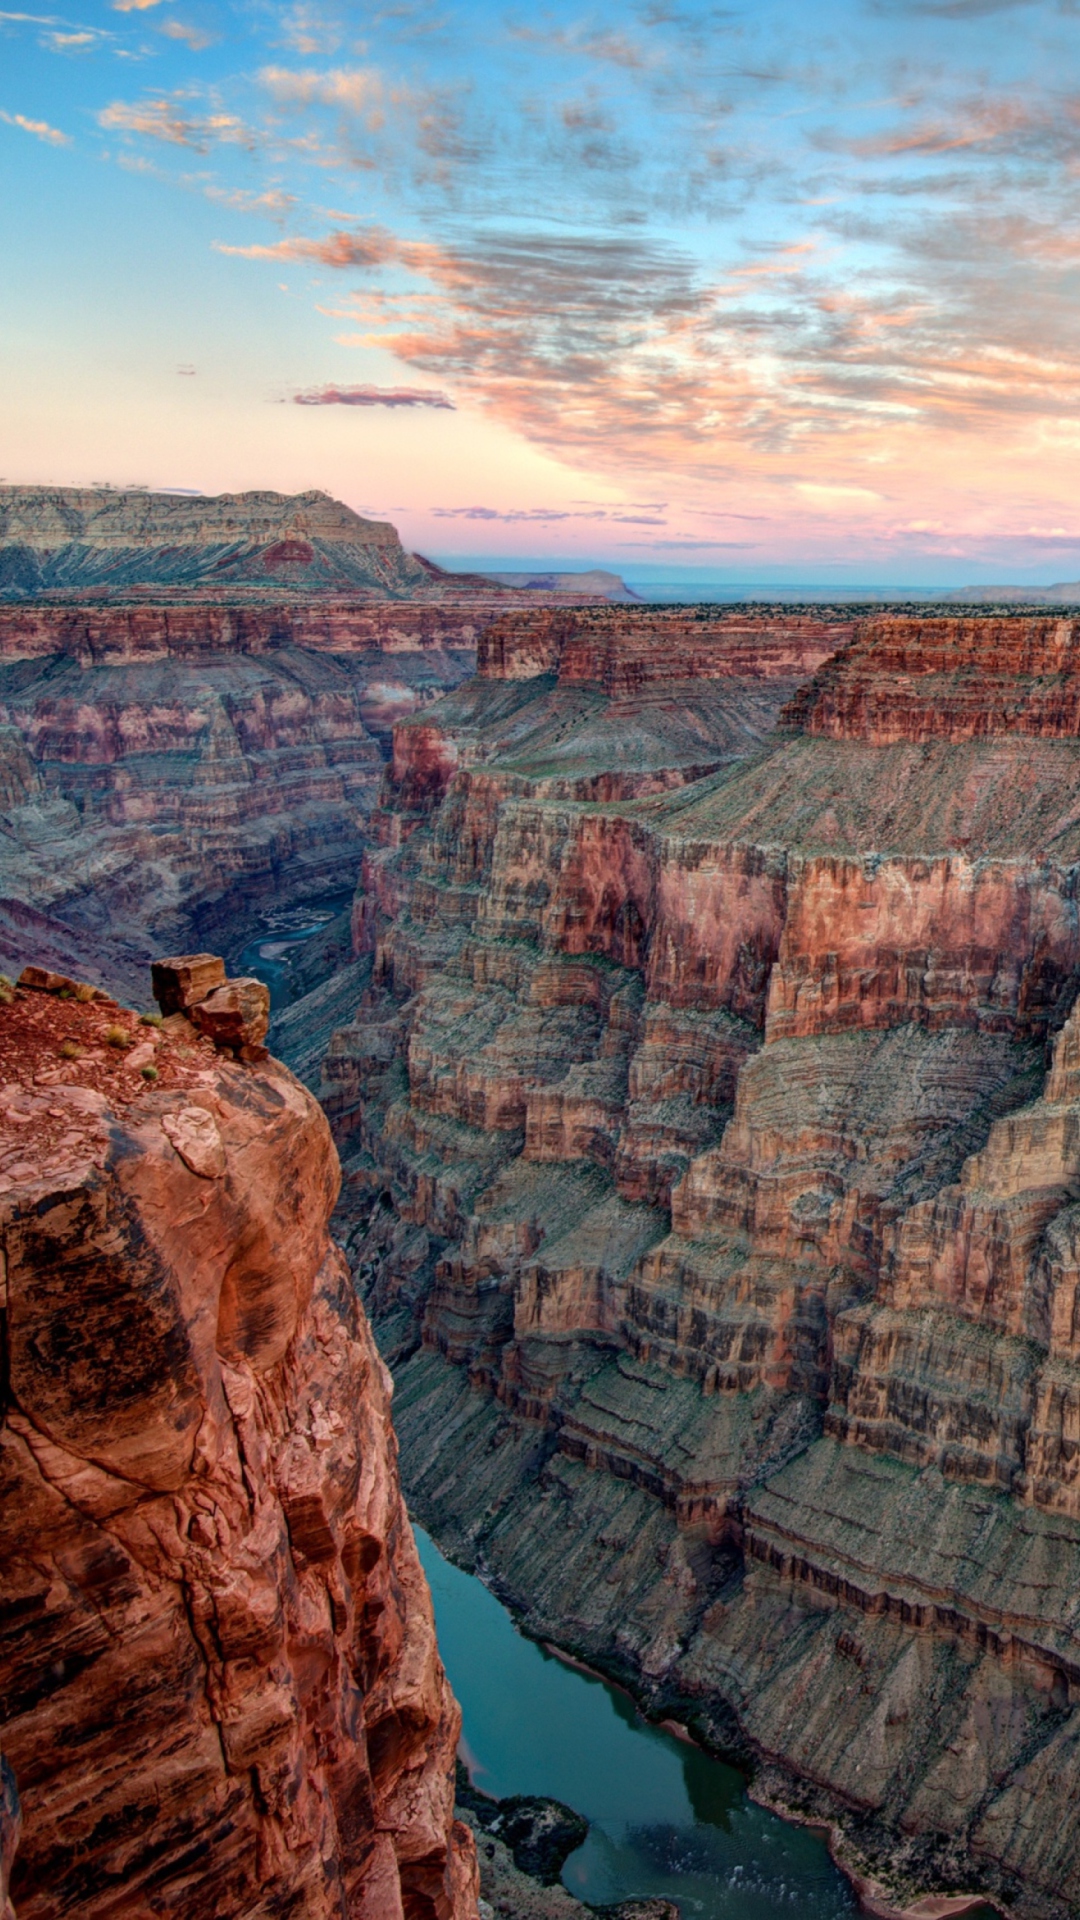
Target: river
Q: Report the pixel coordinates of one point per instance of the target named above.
(665, 1818)
(284, 931)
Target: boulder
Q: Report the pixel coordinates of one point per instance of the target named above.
(181, 982)
(235, 1017)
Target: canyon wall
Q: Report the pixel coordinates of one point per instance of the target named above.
(710, 1131)
(196, 697)
(117, 631)
(220, 1692)
(167, 774)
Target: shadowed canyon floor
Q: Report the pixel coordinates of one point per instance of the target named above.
(711, 1129)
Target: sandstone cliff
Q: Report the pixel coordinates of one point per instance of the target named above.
(220, 1692)
(710, 1166)
(71, 539)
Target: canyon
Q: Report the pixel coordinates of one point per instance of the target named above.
(219, 1684)
(698, 1029)
(710, 1120)
(197, 697)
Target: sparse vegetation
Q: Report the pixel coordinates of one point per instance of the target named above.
(151, 1020)
(71, 1050)
(117, 1037)
(148, 1072)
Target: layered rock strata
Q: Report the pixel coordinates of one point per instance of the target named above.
(71, 539)
(710, 1128)
(220, 1691)
(174, 793)
(148, 628)
(236, 549)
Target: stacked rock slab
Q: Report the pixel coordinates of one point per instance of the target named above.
(711, 1136)
(220, 1691)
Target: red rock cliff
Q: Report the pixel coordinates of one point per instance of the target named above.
(948, 679)
(95, 633)
(220, 1691)
(622, 649)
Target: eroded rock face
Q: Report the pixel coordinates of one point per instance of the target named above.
(625, 649)
(72, 538)
(711, 1165)
(172, 797)
(220, 1691)
(951, 679)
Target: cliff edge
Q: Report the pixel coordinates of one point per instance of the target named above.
(220, 1692)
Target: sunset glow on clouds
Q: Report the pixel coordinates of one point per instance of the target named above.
(802, 280)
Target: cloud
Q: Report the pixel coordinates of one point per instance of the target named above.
(165, 117)
(356, 89)
(667, 239)
(134, 6)
(68, 42)
(372, 397)
(689, 546)
(306, 30)
(830, 494)
(194, 37)
(950, 9)
(603, 45)
(401, 130)
(542, 515)
(39, 128)
(274, 202)
(369, 247)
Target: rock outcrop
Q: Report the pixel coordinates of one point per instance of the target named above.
(949, 679)
(74, 539)
(119, 632)
(710, 1129)
(220, 1692)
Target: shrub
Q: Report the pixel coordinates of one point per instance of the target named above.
(151, 1020)
(117, 1037)
(71, 1050)
(149, 1073)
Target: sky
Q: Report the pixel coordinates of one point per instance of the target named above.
(780, 290)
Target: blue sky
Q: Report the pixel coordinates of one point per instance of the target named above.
(778, 289)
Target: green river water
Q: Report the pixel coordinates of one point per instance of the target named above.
(665, 1818)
